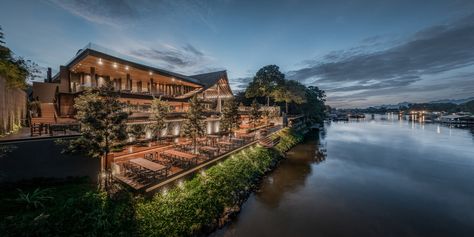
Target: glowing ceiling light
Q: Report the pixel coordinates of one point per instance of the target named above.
(126, 68)
(115, 65)
(150, 73)
(100, 61)
(172, 79)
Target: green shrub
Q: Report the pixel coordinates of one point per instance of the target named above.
(74, 211)
(191, 208)
(197, 204)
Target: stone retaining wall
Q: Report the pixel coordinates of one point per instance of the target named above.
(12, 107)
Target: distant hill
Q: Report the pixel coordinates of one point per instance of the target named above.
(458, 102)
(408, 104)
(450, 106)
(389, 106)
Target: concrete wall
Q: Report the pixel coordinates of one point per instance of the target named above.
(43, 158)
(12, 107)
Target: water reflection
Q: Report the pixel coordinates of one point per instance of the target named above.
(293, 173)
(368, 178)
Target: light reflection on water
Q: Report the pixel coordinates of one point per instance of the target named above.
(368, 178)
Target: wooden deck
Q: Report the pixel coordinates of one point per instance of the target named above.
(181, 161)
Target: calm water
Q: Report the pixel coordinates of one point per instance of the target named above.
(369, 178)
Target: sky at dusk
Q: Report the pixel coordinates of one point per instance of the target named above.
(362, 53)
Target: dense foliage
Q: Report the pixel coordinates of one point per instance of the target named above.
(103, 122)
(264, 82)
(196, 205)
(159, 109)
(16, 70)
(288, 138)
(190, 208)
(297, 98)
(314, 108)
(446, 107)
(194, 125)
(230, 119)
(432, 107)
(255, 113)
(290, 92)
(71, 209)
(136, 130)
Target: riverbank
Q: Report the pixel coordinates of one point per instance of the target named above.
(193, 207)
(213, 197)
(367, 178)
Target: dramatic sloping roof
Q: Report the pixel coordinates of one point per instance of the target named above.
(209, 79)
(99, 51)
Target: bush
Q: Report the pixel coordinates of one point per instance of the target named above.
(75, 210)
(191, 208)
(196, 205)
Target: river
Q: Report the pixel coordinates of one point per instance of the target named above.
(382, 177)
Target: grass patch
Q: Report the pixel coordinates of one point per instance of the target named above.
(73, 208)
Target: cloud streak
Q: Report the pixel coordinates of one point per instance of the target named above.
(186, 59)
(120, 13)
(108, 12)
(434, 50)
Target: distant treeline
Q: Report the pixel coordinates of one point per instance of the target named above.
(440, 107)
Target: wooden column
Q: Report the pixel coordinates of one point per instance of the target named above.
(152, 90)
(219, 102)
(127, 83)
(92, 73)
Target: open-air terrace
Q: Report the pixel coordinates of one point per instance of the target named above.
(147, 165)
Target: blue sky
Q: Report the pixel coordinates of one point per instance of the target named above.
(362, 53)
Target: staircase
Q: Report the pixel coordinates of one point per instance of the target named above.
(40, 125)
(48, 115)
(268, 142)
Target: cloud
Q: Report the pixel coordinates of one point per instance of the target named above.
(431, 51)
(119, 13)
(186, 59)
(239, 84)
(108, 12)
(456, 86)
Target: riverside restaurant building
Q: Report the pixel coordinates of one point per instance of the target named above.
(137, 84)
(143, 162)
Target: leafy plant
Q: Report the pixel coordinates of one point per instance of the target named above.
(230, 116)
(16, 70)
(197, 204)
(159, 110)
(255, 113)
(264, 82)
(35, 199)
(194, 125)
(103, 125)
(136, 130)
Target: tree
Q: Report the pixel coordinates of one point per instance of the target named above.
(136, 130)
(255, 113)
(1, 36)
(230, 116)
(314, 108)
(16, 70)
(159, 109)
(194, 125)
(291, 92)
(103, 125)
(264, 82)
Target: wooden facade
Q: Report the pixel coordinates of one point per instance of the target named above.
(136, 83)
